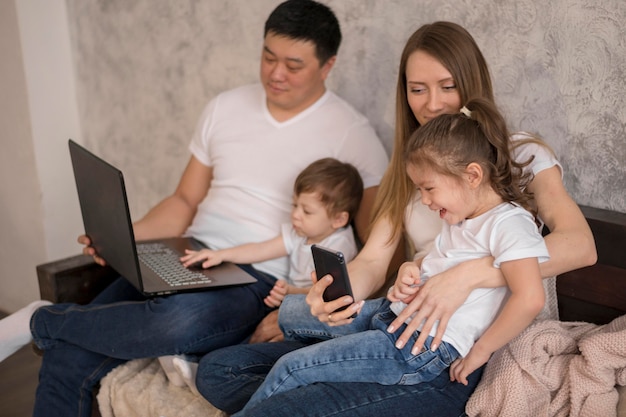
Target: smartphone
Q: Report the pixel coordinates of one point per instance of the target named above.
(333, 263)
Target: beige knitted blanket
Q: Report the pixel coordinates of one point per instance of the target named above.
(140, 388)
(555, 369)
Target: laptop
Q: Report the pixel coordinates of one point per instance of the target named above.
(153, 267)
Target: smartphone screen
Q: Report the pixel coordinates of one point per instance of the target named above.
(333, 263)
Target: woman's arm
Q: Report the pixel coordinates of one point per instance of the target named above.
(570, 241)
(570, 244)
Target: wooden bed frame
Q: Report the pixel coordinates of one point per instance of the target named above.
(596, 294)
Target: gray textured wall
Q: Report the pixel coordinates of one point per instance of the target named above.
(146, 68)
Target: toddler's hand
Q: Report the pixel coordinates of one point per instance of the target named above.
(277, 294)
(208, 258)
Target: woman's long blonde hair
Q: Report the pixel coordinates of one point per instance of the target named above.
(457, 51)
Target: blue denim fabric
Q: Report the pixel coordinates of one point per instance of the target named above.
(227, 378)
(82, 343)
(297, 323)
(366, 356)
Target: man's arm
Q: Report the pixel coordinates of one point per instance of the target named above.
(174, 214)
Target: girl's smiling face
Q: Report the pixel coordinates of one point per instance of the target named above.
(444, 193)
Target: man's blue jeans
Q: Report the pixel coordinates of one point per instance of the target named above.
(83, 343)
(368, 355)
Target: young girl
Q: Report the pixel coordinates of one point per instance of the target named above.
(462, 167)
(326, 198)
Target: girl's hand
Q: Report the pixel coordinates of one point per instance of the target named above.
(277, 294)
(326, 311)
(406, 286)
(463, 367)
(208, 258)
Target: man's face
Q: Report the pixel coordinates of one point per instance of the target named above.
(291, 75)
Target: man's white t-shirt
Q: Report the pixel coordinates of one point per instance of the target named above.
(256, 159)
(301, 259)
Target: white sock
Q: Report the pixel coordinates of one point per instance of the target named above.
(172, 374)
(187, 371)
(15, 329)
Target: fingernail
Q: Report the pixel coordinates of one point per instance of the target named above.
(414, 351)
(434, 347)
(391, 329)
(399, 344)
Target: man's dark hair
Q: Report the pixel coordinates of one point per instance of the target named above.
(307, 20)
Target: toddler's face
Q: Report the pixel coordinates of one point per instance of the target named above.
(310, 218)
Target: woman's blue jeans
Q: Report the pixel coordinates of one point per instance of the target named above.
(83, 343)
(228, 377)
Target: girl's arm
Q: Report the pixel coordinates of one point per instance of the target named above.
(525, 302)
(570, 244)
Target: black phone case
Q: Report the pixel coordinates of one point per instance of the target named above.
(333, 263)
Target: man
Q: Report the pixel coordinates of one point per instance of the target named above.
(249, 146)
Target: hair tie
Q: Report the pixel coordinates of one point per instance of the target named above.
(466, 112)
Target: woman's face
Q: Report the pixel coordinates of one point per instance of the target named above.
(431, 90)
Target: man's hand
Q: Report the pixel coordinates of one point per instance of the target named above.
(268, 330)
(89, 250)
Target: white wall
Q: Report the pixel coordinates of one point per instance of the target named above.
(39, 215)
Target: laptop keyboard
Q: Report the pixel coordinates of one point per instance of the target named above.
(166, 264)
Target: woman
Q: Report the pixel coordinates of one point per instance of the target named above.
(441, 68)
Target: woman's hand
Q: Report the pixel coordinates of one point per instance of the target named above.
(435, 302)
(90, 250)
(326, 311)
